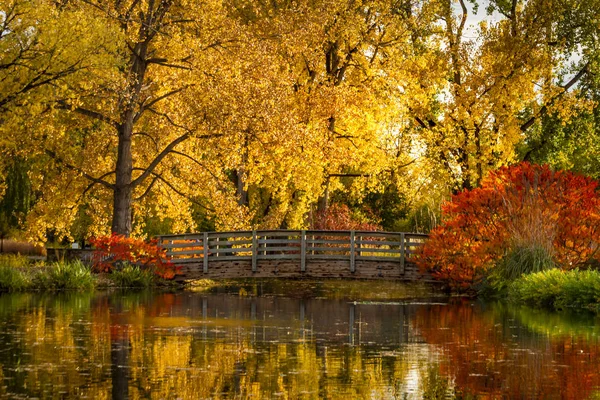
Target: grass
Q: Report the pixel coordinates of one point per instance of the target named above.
(71, 275)
(517, 262)
(12, 275)
(132, 276)
(17, 273)
(558, 289)
(525, 260)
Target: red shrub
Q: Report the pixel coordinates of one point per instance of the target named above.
(524, 205)
(117, 249)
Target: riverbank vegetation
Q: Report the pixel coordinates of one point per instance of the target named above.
(558, 289)
(528, 229)
(17, 273)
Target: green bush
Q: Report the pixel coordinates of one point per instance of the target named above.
(12, 279)
(13, 261)
(558, 289)
(516, 262)
(12, 275)
(65, 276)
(525, 260)
(132, 276)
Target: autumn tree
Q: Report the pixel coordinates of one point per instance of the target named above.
(132, 123)
(130, 111)
(499, 84)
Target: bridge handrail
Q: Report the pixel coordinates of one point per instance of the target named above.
(300, 245)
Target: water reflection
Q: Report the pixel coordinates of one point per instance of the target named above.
(220, 346)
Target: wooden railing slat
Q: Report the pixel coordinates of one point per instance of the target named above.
(297, 246)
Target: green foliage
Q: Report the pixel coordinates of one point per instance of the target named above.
(12, 280)
(65, 276)
(12, 277)
(519, 261)
(18, 197)
(558, 289)
(132, 276)
(13, 261)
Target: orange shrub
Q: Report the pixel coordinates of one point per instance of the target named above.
(520, 206)
(111, 251)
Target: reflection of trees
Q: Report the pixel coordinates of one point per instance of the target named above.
(495, 355)
(78, 347)
(181, 346)
(57, 356)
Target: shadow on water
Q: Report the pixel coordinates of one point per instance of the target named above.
(218, 345)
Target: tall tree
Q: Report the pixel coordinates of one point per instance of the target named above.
(499, 84)
(126, 125)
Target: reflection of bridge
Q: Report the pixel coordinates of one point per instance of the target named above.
(296, 254)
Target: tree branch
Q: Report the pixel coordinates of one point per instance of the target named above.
(63, 105)
(159, 158)
(147, 189)
(565, 88)
(173, 188)
(143, 107)
(72, 167)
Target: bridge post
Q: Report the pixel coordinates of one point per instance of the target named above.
(303, 251)
(352, 255)
(402, 252)
(254, 251)
(205, 252)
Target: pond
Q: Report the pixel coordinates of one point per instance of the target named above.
(260, 344)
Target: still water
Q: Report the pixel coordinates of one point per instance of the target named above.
(262, 346)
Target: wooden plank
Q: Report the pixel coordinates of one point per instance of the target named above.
(283, 231)
(279, 241)
(229, 242)
(328, 241)
(182, 261)
(416, 236)
(402, 254)
(279, 257)
(327, 257)
(377, 243)
(352, 254)
(282, 248)
(337, 249)
(303, 252)
(182, 236)
(231, 250)
(184, 252)
(205, 253)
(379, 234)
(369, 250)
(254, 250)
(181, 245)
(229, 258)
(378, 259)
(328, 233)
(278, 233)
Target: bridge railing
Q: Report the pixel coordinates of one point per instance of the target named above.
(300, 245)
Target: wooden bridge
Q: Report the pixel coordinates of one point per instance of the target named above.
(296, 254)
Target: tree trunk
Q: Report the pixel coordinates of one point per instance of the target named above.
(323, 202)
(121, 222)
(122, 211)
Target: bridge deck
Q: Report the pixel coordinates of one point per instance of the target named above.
(295, 254)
